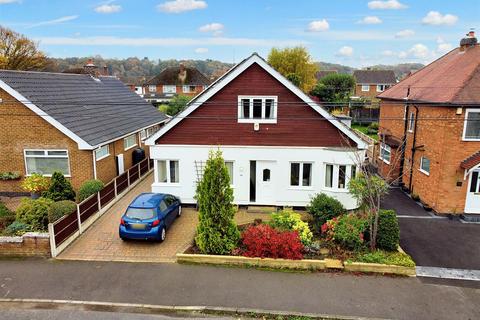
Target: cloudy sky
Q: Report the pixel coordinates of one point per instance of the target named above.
(352, 32)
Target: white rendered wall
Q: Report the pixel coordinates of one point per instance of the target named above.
(285, 195)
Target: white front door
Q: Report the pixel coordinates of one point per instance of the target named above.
(120, 164)
(265, 186)
(472, 203)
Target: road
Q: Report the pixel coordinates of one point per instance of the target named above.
(186, 285)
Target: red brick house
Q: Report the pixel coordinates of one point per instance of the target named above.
(430, 123)
(369, 83)
(83, 125)
(180, 80)
(279, 145)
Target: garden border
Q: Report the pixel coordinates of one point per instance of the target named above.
(304, 264)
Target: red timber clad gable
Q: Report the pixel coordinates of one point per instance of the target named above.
(215, 122)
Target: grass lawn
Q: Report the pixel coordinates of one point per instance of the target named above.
(364, 129)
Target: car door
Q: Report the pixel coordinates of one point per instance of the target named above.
(170, 202)
(163, 208)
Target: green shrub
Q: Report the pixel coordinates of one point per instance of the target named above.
(373, 127)
(289, 220)
(60, 188)
(347, 230)
(17, 228)
(60, 209)
(217, 232)
(323, 208)
(6, 216)
(415, 197)
(88, 188)
(34, 213)
(35, 183)
(388, 234)
(9, 175)
(391, 258)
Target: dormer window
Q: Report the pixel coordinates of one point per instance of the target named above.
(261, 109)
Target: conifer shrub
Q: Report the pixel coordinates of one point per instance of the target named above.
(60, 188)
(217, 232)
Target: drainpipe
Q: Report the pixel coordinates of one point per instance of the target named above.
(404, 139)
(410, 186)
(94, 165)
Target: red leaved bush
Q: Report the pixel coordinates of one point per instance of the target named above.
(266, 242)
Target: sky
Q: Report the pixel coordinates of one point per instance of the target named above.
(358, 33)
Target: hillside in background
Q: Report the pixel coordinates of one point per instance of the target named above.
(135, 70)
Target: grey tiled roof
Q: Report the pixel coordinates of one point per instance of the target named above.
(96, 110)
(375, 76)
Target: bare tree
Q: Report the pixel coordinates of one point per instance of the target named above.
(17, 52)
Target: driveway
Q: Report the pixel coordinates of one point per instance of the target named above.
(434, 241)
(101, 242)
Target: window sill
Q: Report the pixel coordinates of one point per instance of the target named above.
(257, 121)
(424, 172)
(387, 162)
(335, 190)
(165, 184)
(49, 175)
(471, 139)
(130, 147)
(102, 157)
(309, 188)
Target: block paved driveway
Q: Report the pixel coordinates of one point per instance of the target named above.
(101, 242)
(434, 241)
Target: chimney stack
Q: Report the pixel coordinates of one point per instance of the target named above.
(105, 71)
(90, 68)
(468, 41)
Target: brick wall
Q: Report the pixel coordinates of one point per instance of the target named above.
(439, 133)
(22, 129)
(372, 93)
(31, 244)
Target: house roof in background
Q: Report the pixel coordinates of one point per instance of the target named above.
(375, 76)
(94, 110)
(170, 76)
(452, 79)
(323, 73)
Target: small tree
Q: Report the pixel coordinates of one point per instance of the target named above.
(60, 188)
(217, 232)
(177, 105)
(369, 189)
(334, 87)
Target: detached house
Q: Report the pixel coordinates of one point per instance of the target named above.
(430, 127)
(173, 81)
(83, 125)
(279, 146)
(369, 83)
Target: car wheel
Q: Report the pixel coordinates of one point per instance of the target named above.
(179, 211)
(163, 234)
(123, 239)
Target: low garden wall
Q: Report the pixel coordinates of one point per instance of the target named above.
(31, 244)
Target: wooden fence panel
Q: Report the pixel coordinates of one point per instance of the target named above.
(143, 167)
(133, 173)
(122, 182)
(107, 194)
(88, 208)
(65, 227)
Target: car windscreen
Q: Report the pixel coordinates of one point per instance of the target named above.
(140, 213)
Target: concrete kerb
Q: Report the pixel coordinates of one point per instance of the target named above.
(305, 264)
(161, 309)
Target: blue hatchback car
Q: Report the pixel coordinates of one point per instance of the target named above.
(149, 216)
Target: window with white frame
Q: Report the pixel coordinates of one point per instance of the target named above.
(425, 165)
(130, 141)
(385, 152)
(411, 122)
(337, 176)
(471, 130)
(189, 89)
(300, 174)
(365, 87)
(102, 152)
(381, 87)
(46, 162)
(169, 89)
(229, 165)
(143, 134)
(168, 171)
(257, 109)
(152, 88)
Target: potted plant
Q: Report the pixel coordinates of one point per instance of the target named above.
(35, 184)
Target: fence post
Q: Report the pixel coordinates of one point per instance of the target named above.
(139, 175)
(148, 164)
(115, 186)
(98, 200)
(51, 234)
(128, 178)
(78, 219)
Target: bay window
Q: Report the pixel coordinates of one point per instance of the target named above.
(168, 171)
(338, 176)
(229, 165)
(46, 162)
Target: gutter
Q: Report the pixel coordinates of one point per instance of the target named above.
(410, 185)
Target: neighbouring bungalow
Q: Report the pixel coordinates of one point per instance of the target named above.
(84, 125)
(430, 128)
(172, 81)
(279, 145)
(370, 83)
